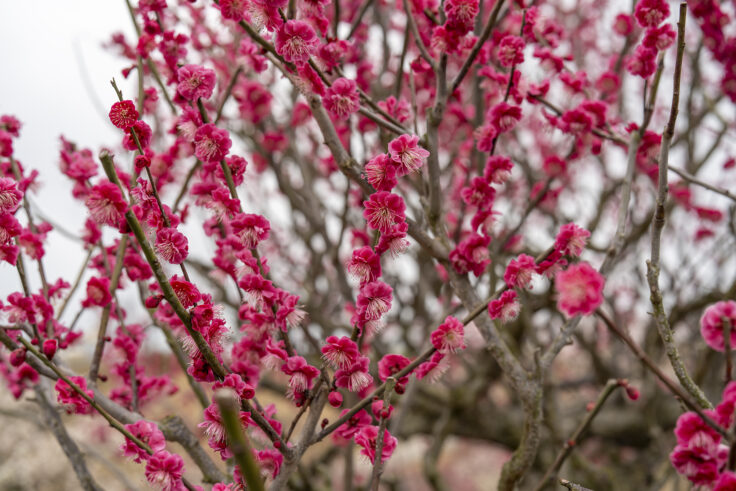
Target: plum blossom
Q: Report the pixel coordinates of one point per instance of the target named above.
(448, 337)
(341, 99)
(712, 324)
(172, 245)
(164, 471)
(579, 290)
(296, 41)
(406, 152)
(195, 82)
(384, 210)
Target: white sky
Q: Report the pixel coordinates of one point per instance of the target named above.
(52, 68)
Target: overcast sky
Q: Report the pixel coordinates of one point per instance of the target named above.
(55, 80)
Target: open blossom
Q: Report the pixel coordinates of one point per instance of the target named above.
(659, 38)
(511, 51)
(233, 9)
(392, 364)
(98, 292)
(105, 203)
(519, 271)
(651, 13)
(471, 254)
(354, 377)
(9, 227)
(380, 171)
(256, 290)
(383, 210)
(341, 99)
(449, 336)
(123, 114)
(148, 433)
(394, 241)
(296, 41)
(579, 289)
(643, 62)
(340, 352)
(195, 82)
(571, 240)
(250, 228)
(504, 116)
(365, 265)
(374, 300)
(498, 169)
(302, 374)
(367, 438)
(164, 471)
(460, 15)
(712, 324)
(505, 308)
(172, 245)
(211, 144)
(10, 196)
(72, 401)
(699, 454)
(406, 152)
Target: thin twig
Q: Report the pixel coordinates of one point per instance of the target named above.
(658, 220)
(574, 439)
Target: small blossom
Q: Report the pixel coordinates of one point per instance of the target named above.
(251, 229)
(302, 374)
(354, 377)
(123, 114)
(449, 336)
(105, 203)
(367, 437)
(498, 169)
(712, 324)
(651, 13)
(571, 240)
(504, 116)
(380, 171)
(374, 300)
(511, 51)
(98, 292)
(233, 9)
(506, 308)
(256, 290)
(164, 471)
(643, 62)
(623, 24)
(580, 289)
(296, 41)
(519, 271)
(172, 245)
(340, 352)
(659, 38)
(392, 364)
(10, 196)
(394, 241)
(365, 265)
(72, 401)
(195, 82)
(341, 99)
(461, 15)
(9, 228)
(406, 152)
(335, 399)
(49, 348)
(148, 433)
(211, 144)
(383, 210)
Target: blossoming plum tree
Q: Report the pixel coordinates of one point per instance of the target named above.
(410, 210)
